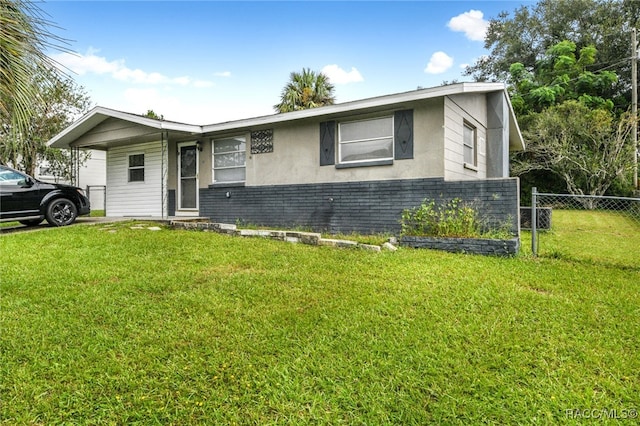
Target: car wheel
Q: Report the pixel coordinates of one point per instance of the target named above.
(61, 212)
(32, 222)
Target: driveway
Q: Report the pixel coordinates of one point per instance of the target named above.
(86, 220)
(83, 220)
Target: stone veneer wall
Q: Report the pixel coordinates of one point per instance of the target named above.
(363, 207)
(487, 247)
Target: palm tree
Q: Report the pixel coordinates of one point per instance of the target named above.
(24, 36)
(305, 90)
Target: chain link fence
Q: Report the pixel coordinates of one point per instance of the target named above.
(613, 218)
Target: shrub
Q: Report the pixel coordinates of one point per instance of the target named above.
(451, 219)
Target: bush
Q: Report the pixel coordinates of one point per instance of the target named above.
(451, 219)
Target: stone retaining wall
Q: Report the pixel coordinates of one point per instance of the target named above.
(484, 246)
(310, 238)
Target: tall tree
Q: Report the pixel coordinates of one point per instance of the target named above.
(24, 37)
(526, 34)
(572, 130)
(56, 102)
(589, 148)
(306, 89)
(559, 76)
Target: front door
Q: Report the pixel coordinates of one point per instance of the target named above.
(188, 177)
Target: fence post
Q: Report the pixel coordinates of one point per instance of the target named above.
(534, 221)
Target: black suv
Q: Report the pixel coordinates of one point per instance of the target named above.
(29, 201)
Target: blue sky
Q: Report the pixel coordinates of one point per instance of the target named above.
(204, 62)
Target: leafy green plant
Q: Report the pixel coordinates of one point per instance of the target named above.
(453, 218)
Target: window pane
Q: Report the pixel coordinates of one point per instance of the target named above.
(188, 194)
(469, 135)
(136, 175)
(230, 175)
(188, 164)
(469, 140)
(228, 145)
(229, 160)
(468, 155)
(369, 150)
(366, 129)
(136, 160)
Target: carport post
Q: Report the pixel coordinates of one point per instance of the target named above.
(75, 166)
(164, 173)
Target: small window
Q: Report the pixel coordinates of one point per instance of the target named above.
(229, 160)
(366, 140)
(470, 144)
(136, 168)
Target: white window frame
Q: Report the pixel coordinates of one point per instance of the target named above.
(213, 159)
(130, 168)
(472, 145)
(341, 143)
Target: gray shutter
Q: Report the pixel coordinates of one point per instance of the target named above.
(327, 143)
(403, 134)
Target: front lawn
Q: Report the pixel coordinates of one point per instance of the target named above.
(113, 325)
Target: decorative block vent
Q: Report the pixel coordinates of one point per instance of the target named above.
(262, 141)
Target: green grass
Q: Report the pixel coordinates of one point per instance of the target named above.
(591, 236)
(112, 325)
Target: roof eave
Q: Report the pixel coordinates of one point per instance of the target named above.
(97, 115)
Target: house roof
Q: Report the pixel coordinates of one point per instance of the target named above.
(72, 135)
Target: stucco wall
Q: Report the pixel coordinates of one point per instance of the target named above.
(295, 158)
(296, 155)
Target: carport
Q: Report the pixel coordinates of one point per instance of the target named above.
(138, 151)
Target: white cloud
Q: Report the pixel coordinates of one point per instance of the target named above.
(339, 76)
(180, 107)
(182, 81)
(222, 74)
(471, 23)
(91, 63)
(143, 99)
(439, 63)
(202, 84)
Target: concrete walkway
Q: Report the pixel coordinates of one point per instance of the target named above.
(87, 220)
